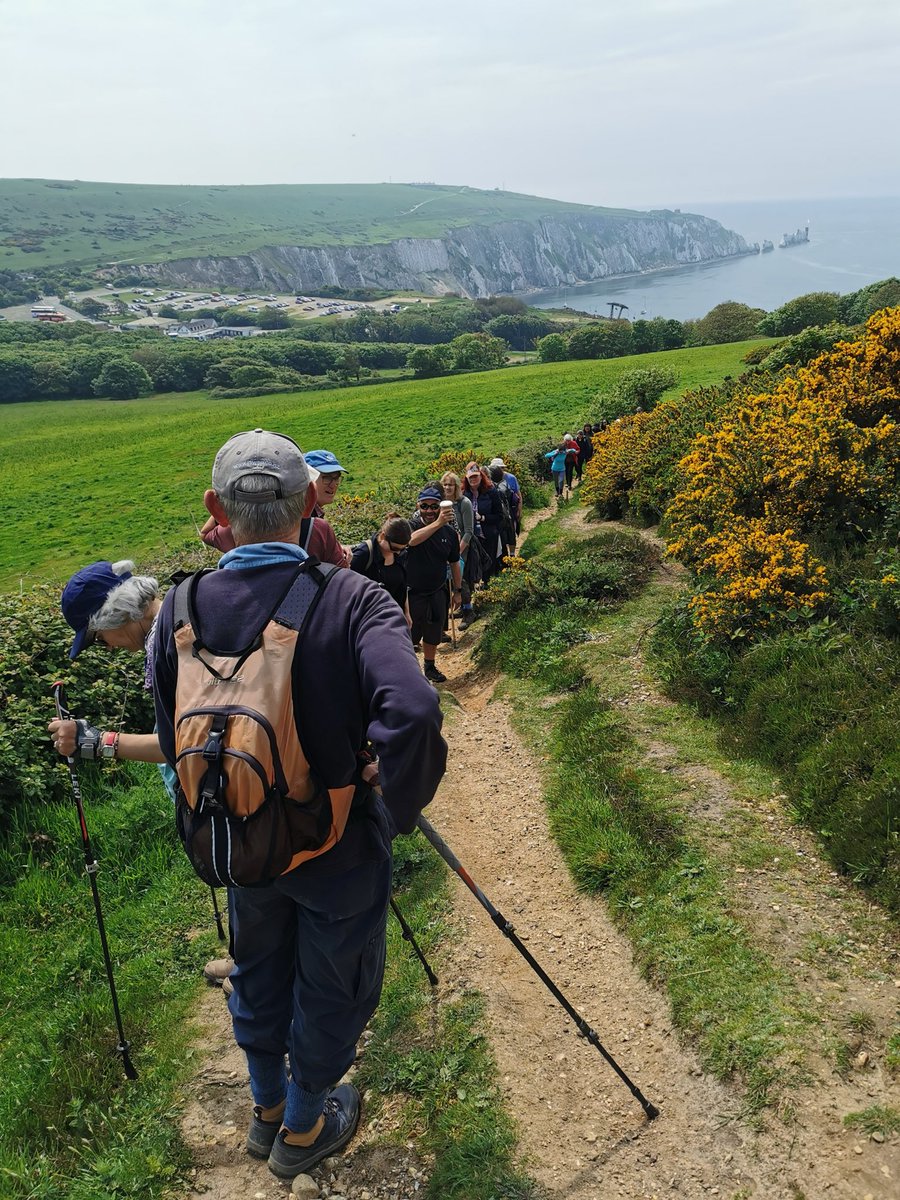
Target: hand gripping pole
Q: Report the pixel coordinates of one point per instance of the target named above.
(91, 868)
(508, 931)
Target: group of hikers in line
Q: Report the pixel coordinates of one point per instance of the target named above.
(349, 760)
(432, 561)
(571, 456)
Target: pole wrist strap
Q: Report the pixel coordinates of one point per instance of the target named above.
(87, 739)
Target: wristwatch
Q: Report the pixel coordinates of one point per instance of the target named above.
(109, 744)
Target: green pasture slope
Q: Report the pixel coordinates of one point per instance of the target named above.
(88, 479)
(47, 222)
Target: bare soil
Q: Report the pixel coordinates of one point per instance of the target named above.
(582, 1135)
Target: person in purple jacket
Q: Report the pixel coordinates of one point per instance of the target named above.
(309, 949)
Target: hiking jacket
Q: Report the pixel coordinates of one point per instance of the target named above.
(489, 507)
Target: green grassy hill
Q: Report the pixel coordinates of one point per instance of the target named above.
(55, 222)
(88, 479)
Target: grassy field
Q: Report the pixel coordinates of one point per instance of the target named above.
(87, 479)
(56, 222)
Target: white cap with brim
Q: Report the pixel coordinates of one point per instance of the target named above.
(497, 462)
(260, 452)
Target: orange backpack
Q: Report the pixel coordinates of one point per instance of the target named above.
(248, 805)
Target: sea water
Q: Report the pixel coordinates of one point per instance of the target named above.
(851, 243)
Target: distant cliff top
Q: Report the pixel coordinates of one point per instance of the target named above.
(46, 222)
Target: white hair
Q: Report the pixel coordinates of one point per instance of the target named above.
(127, 602)
(262, 521)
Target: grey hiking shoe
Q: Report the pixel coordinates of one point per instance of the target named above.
(261, 1135)
(341, 1115)
(218, 969)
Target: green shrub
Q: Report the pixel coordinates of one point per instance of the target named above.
(642, 388)
(553, 348)
(101, 685)
(815, 308)
(543, 605)
(803, 347)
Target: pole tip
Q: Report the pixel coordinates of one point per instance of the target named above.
(651, 1110)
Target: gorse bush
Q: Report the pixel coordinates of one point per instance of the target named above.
(816, 459)
(634, 470)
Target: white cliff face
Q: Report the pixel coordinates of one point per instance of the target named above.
(475, 260)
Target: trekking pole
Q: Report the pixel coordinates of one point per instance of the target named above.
(452, 616)
(508, 931)
(91, 868)
(408, 936)
(219, 926)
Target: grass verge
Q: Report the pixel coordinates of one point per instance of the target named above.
(623, 825)
(70, 1123)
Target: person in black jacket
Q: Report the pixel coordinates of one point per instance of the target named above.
(585, 443)
(428, 560)
(383, 559)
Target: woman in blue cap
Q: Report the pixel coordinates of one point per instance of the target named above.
(107, 603)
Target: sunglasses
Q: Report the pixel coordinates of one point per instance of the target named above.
(396, 549)
(428, 507)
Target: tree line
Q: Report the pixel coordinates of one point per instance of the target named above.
(730, 321)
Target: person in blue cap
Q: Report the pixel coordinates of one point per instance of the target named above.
(330, 475)
(106, 603)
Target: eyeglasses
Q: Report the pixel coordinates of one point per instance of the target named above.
(330, 476)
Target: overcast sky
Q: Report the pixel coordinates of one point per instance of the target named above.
(639, 103)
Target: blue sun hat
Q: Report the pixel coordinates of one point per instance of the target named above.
(84, 595)
(324, 462)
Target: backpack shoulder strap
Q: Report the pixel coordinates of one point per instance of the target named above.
(183, 602)
(304, 594)
(186, 607)
(306, 531)
(371, 545)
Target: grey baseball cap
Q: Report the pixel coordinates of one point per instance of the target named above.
(260, 452)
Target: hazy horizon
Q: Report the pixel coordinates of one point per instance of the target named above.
(684, 205)
(595, 103)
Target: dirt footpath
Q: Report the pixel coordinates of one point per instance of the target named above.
(582, 1134)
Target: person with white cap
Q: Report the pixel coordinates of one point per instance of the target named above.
(513, 484)
(309, 947)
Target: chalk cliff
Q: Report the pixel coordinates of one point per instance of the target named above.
(475, 260)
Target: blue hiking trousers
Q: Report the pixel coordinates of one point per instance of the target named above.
(309, 957)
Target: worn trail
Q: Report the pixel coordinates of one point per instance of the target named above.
(582, 1135)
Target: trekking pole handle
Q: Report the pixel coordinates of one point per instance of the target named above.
(62, 712)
